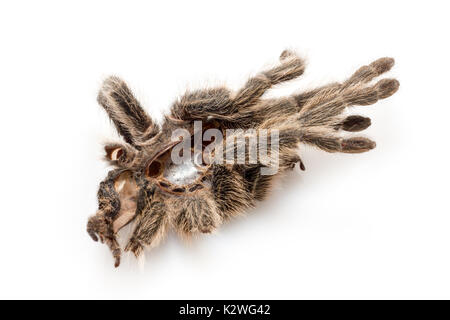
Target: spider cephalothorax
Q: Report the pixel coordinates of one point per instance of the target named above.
(148, 187)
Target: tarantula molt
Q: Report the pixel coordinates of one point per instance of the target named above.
(158, 185)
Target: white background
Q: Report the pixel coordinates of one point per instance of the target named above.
(374, 225)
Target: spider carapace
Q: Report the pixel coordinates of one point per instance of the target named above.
(147, 187)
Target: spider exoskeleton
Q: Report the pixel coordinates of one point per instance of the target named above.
(156, 193)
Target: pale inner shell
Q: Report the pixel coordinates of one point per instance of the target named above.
(182, 174)
(127, 189)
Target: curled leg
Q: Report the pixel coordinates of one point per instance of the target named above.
(129, 118)
(117, 207)
(353, 123)
(369, 72)
(108, 208)
(101, 226)
(363, 96)
(151, 224)
(219, 103)
(331, 143)
(323, 105)
(234, 190)
(195, 213)
(362, 76)
(200, 104)
(291, 67)
(120, 154)
(325, 108)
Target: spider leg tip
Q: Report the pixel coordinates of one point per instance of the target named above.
(383, 65)
(302, 166)
(387, 87)
(285, 54)
(356, 123)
